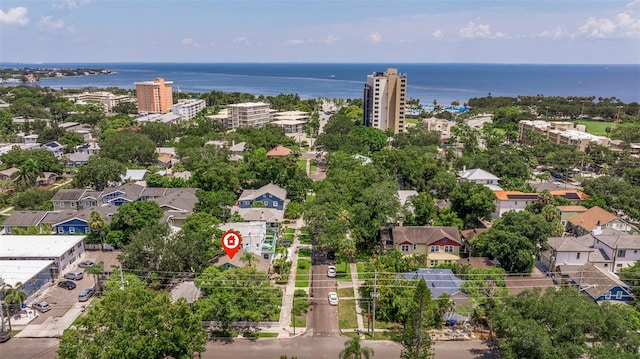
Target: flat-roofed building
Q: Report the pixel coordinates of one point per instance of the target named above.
(564, 133)
(248, 114)
(188, 109)
(154, 96)
(35, 275)
(385, 100)
(62, 250)
(108, 99)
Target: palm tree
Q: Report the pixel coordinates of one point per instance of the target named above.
(353, 350)
(12, 295)
(29, 172)
(96, 224)
(248, 258)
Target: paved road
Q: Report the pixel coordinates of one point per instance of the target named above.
(305, 347)
(323, 318)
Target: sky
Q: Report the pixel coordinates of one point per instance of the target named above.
(325, 31)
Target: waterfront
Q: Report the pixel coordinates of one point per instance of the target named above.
(426, 82)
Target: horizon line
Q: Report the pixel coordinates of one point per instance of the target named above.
(320, 63)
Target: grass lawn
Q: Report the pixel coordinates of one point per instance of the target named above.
(344, 271)
(313, 166)
(303, 273)
(347, 314)
(305, 239)
(288, 236)
(302, 163)
(304, 252)
(266, 335)
(290, 230)
(345, 292)
(361, 270)
(387, 325)
(414, 121)
(310, 198)
(598, 128)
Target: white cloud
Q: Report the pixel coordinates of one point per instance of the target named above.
(294, 42)
(242, 40)
(479, 31)
(15, 16)
(375, 37)
(64, 4)
(556, 34)
(51, 23)
(599, 28)
(437, 34)
(330, 40)
(187, 41)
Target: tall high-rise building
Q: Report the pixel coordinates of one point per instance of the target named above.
(155, 96)
(385, 100)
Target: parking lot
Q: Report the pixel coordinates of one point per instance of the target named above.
(65, 307)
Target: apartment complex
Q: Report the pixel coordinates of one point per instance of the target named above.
(564, 133)
(385, 100)
(188, 109)
(248, 114)
(108, 99)
(155, 96)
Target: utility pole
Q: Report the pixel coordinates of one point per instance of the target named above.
(374, 295)
(1, 308)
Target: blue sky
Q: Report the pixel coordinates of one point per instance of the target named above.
(509, 31)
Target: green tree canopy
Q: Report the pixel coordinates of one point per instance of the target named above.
(128, 147)
(98, 173)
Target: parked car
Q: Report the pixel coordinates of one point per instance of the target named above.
(333, 298)
(73, 275)
(86, 294)
(41, 306)
(4, 336)
(332, 272)
(86, 264)
(67, 284)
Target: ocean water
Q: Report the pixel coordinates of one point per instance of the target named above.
(426, 82)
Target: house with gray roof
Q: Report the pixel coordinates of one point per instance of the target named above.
(601, 286)
(480, 176)
(76, 159)
(22, 220)
(439, 281)
(10, 174)
(271, 195)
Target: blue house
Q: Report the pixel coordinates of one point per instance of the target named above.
(601, 286)
(73, 226)
(270, 195)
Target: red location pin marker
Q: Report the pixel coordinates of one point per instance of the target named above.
(231, 241)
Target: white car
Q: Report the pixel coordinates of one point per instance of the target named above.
(41, 306)
(333, 298)
(332, 272)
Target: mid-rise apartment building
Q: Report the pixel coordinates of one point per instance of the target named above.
(564, 133)
(188, 109)
(248, 114)
(155, 96)
(385, 100)
(108, 99)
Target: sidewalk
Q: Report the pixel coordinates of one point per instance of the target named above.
(356, 294)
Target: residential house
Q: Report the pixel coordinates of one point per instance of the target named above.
(572, 251)
(600, 285)
(74, 199)
(478, 262)
(237, 151)
(439, 281)
(22, 220)
(55, 147)
(255, 238)
(76, 159)
(440, 244)
(588, 220)
(46, 178)
(89, 148)
(622, 248)
(566, 213)
(185, 175)
(279, 151)
(260, 264)
(517, 284)
(480, 176)
(10, 174)
(271, 195)
(135, 175)
(517, 201)
(176, 204)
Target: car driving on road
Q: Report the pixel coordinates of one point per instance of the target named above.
(332, 272)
